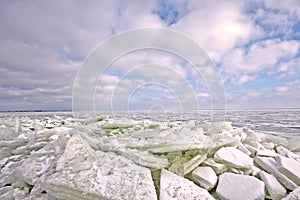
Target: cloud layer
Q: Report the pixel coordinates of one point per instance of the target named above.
(255, 45)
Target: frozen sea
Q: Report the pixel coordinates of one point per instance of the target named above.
(280, 122)
(158, 155)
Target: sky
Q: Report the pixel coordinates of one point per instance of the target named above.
(255, 45)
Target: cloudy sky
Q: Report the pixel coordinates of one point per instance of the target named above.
(255, 45)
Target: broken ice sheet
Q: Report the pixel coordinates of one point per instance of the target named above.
(101, 175)
(145, 159)
(33, 167)
(127, 155)
(177, 142)
(236, 187)
(176, 187)
(182, 165)
(7, 134)
(7, 192)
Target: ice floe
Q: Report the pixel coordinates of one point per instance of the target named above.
(205, 177)
(235, 187)
(289, 167)
(274, 188)
(233, 157)
(175, 187)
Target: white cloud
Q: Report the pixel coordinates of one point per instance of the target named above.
(265, 99)
(289, 68)
(294, 83)
(245, 78)
(109, 79)
(283, 96)
(43, 45)
(73, 27)
(274, 23)
(281, 89)
(261, 55)
(138, 58)
(218, 26)
(156, 81)
(135, 14)
(288, 6)
(202, 94)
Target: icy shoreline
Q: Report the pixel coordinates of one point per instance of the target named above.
(62, 157)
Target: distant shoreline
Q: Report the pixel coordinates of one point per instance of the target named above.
(35, 111)
(249, 110)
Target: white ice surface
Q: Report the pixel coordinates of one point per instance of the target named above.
(236, 187)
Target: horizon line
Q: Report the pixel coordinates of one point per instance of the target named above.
(236, 109)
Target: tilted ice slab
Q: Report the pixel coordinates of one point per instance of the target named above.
(7, 192)
(266, 152)
(218, 167)
(275, 189)
(269, 165)
(295, 195)
(172, 140)
(120, 147)
(244, 149)
(233, 157)
(222, 140)
(83, 173)
(205, 177)
(144, 158)
(174, 187)
(294, 144)
(287, 153)
(236, 187)
(33, 168)
(182, 167)
(290, 168)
